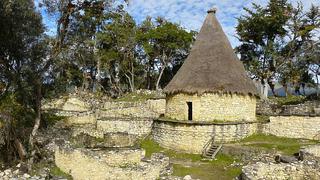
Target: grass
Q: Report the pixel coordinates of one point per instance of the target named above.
(192, 164)
(54, 170)
(262, 118)
(50, 119)
(289, 100)
(288, 146)
(208, 170)
(57, 172)
(134, 97)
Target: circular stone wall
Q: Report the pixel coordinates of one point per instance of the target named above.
(211, 107)
(191, 137)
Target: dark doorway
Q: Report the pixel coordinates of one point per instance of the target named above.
(189, 111)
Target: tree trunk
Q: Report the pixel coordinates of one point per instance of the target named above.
(271, 85)
(285, 86)
(132, 77)
(159, 78)
(36, 124)
(264, 89)
(98, 81)
(21, 150)
(164, 60)
(149, 74)
(130, 82)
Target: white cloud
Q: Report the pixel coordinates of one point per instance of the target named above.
(191, 13)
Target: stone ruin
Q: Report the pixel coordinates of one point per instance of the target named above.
(101, 145)
(306, 166)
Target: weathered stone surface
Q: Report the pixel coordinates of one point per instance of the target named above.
(311, 153)
(82, 164)
(192, 138)
(67, 104)
(81, 119)
(134, 126)
(106, 140)
(271, 108)
(212, 107)
(294, 127)
(295, 171)
(151, 108)
(285, 159)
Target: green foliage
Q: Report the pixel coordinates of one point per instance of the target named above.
(150, 147)
(289, 100)
(22, 116)
(277, 40)
(164, 44)
(262, 118)
(50, 119)
(57, 172)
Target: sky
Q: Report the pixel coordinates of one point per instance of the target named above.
(190, 13)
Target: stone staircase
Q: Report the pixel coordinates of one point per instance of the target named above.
(211, 150)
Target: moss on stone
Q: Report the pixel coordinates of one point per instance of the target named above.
(57, 172)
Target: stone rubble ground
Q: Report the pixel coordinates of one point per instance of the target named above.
(15, 173)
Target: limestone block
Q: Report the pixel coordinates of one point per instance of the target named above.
(83, 164)
(74, 104)
(192, 138)
(82, 119)
(304, 127)
(135, 126)
(212, 107)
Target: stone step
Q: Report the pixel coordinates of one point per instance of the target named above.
(212, 152)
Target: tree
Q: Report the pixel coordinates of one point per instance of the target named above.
(271, 40)
(117, 42)
(164, 42)
(22, 56)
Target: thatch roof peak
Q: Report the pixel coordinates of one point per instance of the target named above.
(212, 10)
(212, 65)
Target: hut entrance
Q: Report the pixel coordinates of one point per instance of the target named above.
(189, 111)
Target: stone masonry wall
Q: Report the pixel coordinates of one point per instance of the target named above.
(151, 108)
(135, 126)
(82, 165)
(192, 138)
(281, 171)
(212, 107)
(305, 127)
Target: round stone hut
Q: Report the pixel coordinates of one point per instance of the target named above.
(210, 97)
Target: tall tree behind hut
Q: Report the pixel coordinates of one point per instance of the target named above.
(272, 40)
(162, 42)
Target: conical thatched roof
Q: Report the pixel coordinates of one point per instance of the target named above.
(212, 65)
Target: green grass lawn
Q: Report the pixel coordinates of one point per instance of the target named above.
(192, 164)
(288, 146)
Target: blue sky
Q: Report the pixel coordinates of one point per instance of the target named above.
(190, 13)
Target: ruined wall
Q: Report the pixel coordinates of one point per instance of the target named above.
(135, 126)
(82, 164)
(81, 119)
(311, 153)
(298, 170)
(212, 107)
(305, 127)
(191, 137)
(151, 108)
